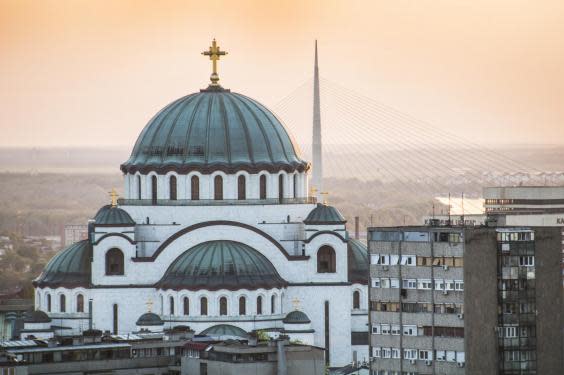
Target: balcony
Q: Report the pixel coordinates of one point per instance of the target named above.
(214, 202)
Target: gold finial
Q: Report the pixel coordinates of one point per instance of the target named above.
(313, 190)
(296, 303)
(114, 197)
(214, 53)
(149, 304)
(324, 194)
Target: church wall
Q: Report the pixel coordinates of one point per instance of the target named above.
(99, 276)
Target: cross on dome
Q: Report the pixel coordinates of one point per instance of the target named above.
(114, 197)
(296, 303)
(214, 53)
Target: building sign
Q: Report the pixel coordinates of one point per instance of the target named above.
(560, 220)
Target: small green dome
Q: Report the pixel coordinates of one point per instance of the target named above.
(296, 317)
(36, 316)
(149, 319)
(357, 262)
(221, 264)
(112, 216)
(69, 268)
(323, 214)
(224, 330)
(214, 130)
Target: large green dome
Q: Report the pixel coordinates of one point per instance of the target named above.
(69, 268)
(358, 265)
(221, 264)
(214, 129)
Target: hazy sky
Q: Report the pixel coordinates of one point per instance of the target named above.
(76, 73)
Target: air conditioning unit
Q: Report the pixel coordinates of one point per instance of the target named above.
(412, 361)
(460, 316)
(460, 364)
(428, 362)
(445, 267)
(445, 292)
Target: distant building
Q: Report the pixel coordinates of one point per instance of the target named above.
(465, 300)
(74, 233)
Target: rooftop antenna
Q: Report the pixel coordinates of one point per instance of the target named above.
(462, 204)
(449, 208)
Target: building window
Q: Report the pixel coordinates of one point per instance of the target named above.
(195, 188)
(410, 353)
(223, 306)
(280, 187)
(527, 261)
(115, 319)
(273, 304)
(218, 188)
(62, 303)
(356, 299)
(259, 305)
(241, 188)
(114, 262)
(48, 302)
(203, 306)
(154, 189)
(171, 305)
(186, 305)
(172, 188)
(138, 187)
(262, 187)
(242, 306)
(80, 303)
(326, 260)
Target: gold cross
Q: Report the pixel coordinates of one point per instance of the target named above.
(296, 303)
(149, 304)
(214, 53)
(324, 194)
(313, 190)
(114, 197)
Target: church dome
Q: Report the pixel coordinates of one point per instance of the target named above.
(36, 316)
(214, 129)
(296, 317)
(69, 268)
(221, 264)
(224, 330)
(149, 319)
(112, 216)
(357, 262)
(324, 214)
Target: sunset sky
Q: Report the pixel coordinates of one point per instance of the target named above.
(92, 73)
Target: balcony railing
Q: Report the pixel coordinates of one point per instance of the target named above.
(214, 202)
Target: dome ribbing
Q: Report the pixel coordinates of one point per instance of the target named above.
(69, 268)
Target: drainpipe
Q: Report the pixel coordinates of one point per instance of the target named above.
(282, 368)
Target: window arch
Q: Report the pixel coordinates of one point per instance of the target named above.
(171, 305)
(138, 186)
(356, 299)
(242, 305)
(173, 188)
(262, 186)
(48, 303)
(223, 306)
(62, 303)
(186, 305)
(114, 262)
(195, 188)
(241, 187)
(203, 306)
(280, 187)
(326, 260)
(259, 305)
(38, 299)
(273, 304)
(80, 303)
(218, 188)
(154, 189)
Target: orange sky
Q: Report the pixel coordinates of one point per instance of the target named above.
(76, 73)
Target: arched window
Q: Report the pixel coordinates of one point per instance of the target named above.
(280, 187)
(115, 319)
(171, 305)
(242, 306)
(295, 185)
(203, 306)
(273, 304)
(38, 300)
(218, 188)
(356, 299)
(138, 187)
(186, 303)
(326, 260)
(154, 190)
(80, 303)
(195, 188)
(48, 302)
(172, 188)
(223, 306)
(259, 305)
(241, 188)
(262, 187)
(62, 303)
(114, 262)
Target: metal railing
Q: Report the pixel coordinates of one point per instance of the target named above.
(214, 202)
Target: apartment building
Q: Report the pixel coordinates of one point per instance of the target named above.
(459, 300)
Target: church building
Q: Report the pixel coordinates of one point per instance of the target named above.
(216, 230)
